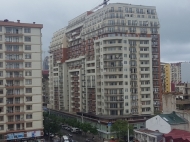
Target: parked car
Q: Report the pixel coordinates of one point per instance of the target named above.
(51, 135)
(87, 140)
(71, 140)
(74, 130)
(69, 135)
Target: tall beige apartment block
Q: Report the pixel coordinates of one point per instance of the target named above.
(20, 80)
(109, 62)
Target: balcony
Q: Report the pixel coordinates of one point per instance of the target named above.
(14, 69)
(183, 101)
(108, 94)
(143, 32)
(116, 108)
(111, 66)
(114, 101)
(14, 43)
(15, 86)
(14, 60)
(14, 77)
(111, 59)
(14, 51)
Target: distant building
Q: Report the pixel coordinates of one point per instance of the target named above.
(46, 63)
(164, 123)
(180, 72)
(185, 72)
(145, 135)
(176, 73)
(45, 87)
(166, 77)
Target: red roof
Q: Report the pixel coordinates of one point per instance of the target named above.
(176, 134)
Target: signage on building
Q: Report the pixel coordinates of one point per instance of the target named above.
(15, 136)
(33, 134)
(109, 124)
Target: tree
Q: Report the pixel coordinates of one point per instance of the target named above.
(86, 127)
(120, 127)
(94, 131)
(51, 123)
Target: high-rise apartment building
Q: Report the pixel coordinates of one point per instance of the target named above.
(20, 80)
(107, 62)
(179, 73)
(176, 73)
(166, 77)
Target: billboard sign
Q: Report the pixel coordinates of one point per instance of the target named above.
(15, 136)
(33, 134)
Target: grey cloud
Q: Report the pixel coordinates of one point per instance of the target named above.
(55, 14)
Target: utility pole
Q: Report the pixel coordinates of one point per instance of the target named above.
(128, 133)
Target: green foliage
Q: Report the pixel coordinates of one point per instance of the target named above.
(53, 123)
(121, 128)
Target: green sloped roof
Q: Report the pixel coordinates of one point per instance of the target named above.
(173, 119)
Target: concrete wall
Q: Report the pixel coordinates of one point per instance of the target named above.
(185, 69)
(169, 103)
(157, 123)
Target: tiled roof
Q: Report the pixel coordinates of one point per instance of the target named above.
(179, 134)
(173, 119)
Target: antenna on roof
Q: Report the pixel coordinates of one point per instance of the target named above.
(105, 2)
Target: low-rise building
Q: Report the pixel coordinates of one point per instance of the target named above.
(177, 136)
(145, 135)
(164, 123)
(103, 123)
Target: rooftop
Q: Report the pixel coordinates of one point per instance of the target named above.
(179, 134)
(6, 22)
(173, 119)
(156, 134)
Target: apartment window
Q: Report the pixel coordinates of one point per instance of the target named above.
(1, 100)
(29, 107)
(126, 97)
(28, 64)
(1, 118)
(1, 127)
(28, 81)
(27, 47)
(28, 56)
(127, 111)
(1, 55)
(125, 55)
(1, 47)
(28, 116)
(1, 91)
(28, 73)
(1, 82)
(27, 30)
(27, 38)
(0, 28)
(0, 37)
(1, 64)
(29, 99)
(126, 104)
(29, 125)
(125, 62)
(28, 90)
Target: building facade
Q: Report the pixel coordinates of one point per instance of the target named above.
(176, 73)
(20, 80)
(107, 62)
(166, 77)
(45, 87)
(46, 63)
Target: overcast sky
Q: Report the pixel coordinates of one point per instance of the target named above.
(174, 16)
